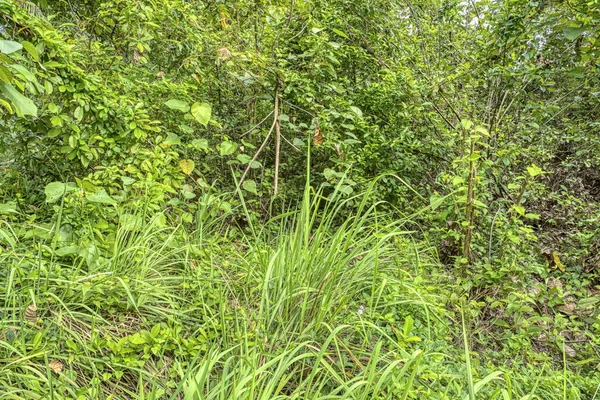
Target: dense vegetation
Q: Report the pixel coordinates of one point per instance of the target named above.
(268, 199)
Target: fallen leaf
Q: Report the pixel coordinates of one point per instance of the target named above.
(570, 351)
(56, 366)
(30, 314)
(318, 136)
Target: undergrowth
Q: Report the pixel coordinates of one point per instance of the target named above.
(309, 305)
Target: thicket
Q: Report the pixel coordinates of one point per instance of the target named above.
(299, 199)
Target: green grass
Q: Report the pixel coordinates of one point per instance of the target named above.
(156, 311)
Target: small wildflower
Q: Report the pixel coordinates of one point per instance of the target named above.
(360, 310)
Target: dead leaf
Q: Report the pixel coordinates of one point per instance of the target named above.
(570, 351)
(160, 74)
(56, 366)
(31, 314)
(224, 53)
(318, 136)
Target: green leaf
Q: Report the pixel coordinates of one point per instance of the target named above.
(172, 139)
(435, 201)
(340, 33)
(467, 124)
(200, 144)
(534, 170)
(101, 197)
(78, 114)
(25, 73)
(356, 111)
(201, 112)
(226, 148)
(408, 325)
(9, 46)
(572, 32)
(187, 166)
(31, 50)
(178, 105)
(23, 105)
(56, 190)
(482, 130)
(8, 208)
(5, 74)
(250, 186)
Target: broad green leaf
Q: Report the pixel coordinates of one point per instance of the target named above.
(8, 208)
(31, 50)
(250, 186)
(467, 124)
(78, 114)
(435, 201)
(356, 111)
(23, 106)
(67, 251)
(200, 144)
(6, 105)
(573, 33)
(243, 158)
(9, 46)
(56, 190)
(201, 112)
(226, 148)
(127, 180)
(482, 130)
(5, 74)
(101, 197)
(534, 170)
(27, 74)
(187, 166)
(172, 139)
(178, 105)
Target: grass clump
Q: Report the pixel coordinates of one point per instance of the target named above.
(314, 304)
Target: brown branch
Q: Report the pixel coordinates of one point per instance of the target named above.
(277, 154)
(264, 143)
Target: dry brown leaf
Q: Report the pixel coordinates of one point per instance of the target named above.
(318, 136)
(224, 53)
(31, 314)
(570, 351)
(56, 366)
(160, 74)
(568, 308)
(137, 55)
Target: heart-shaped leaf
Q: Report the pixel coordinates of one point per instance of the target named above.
(187, 166)
(250, 186)
(573, 32)
(172, 139)
(227, 148)
(201, 112)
